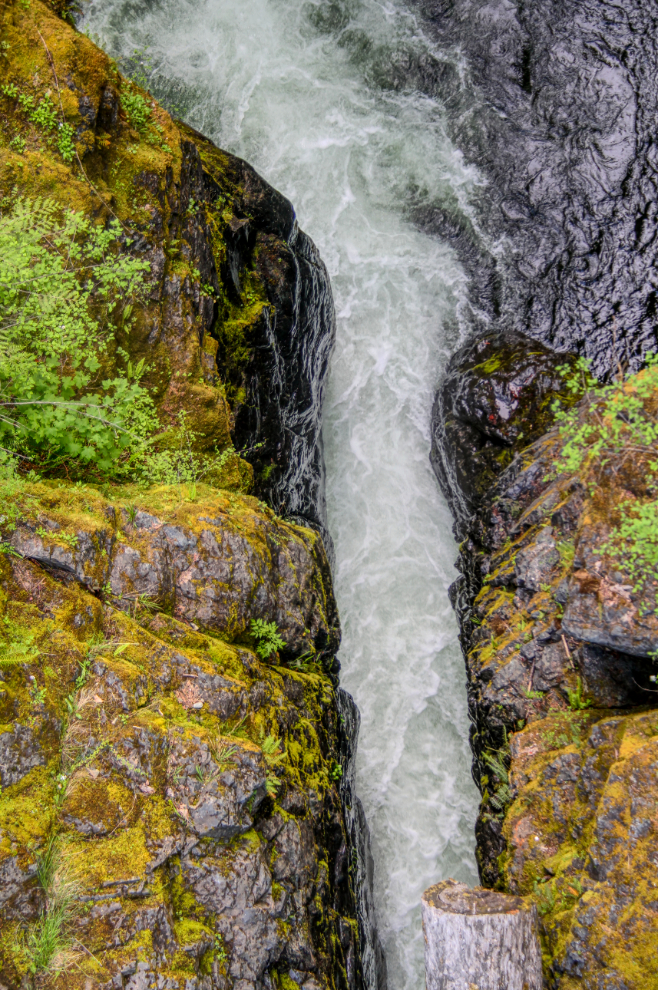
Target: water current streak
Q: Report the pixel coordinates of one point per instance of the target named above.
(302, 91)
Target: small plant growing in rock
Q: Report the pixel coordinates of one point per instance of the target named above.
(222, 754)
(137, 110)
(502, 795)
(304, 663)
(65, 143)
(268, 640)
(17, 648)
(545, 896)
(174, 460)
(45, 943)
(219, 952)
(576, 701)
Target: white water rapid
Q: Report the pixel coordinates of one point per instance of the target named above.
(298, 89)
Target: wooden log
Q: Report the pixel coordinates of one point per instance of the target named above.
(477, 939)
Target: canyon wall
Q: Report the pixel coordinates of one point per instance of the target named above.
(177, 794)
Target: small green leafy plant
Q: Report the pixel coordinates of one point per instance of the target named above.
(576, 701)
(65, 143)
(137, 109)
(502, 794)
(268, 640)
(274, 755)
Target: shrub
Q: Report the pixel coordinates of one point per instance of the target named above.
(176, 462)
(61, 279)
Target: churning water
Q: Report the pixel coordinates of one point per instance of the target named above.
(304, 91)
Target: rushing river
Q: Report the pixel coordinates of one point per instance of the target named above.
(303, 92)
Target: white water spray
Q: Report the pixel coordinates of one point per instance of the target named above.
(296, 88)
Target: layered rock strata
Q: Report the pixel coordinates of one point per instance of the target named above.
(559, 646)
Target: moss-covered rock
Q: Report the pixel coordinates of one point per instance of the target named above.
(581, 840)
(559, 639)
(211, 557)
(227, 334)
(188, 788)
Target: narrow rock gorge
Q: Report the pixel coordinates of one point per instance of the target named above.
(178, 758)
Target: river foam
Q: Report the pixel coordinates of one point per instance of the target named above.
(303, 91)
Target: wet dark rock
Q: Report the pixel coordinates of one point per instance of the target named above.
(279, 421)
(497, 390)
(356, 857)
(556, 104)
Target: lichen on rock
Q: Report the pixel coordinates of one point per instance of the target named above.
(560, 637)
(190, 786)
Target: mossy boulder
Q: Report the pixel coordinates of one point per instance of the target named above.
(189, 789)
(214, 558)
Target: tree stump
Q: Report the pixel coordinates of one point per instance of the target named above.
(477, 939)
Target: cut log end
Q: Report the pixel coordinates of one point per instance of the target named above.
(478, 938)
(457, 898)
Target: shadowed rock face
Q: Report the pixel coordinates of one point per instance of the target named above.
(497, 391)
(557, 106)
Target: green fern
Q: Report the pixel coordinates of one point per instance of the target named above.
(268, 640)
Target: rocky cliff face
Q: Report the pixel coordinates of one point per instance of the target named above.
(239, 323)
(173, 806)
(187, 790)
(559, 646)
